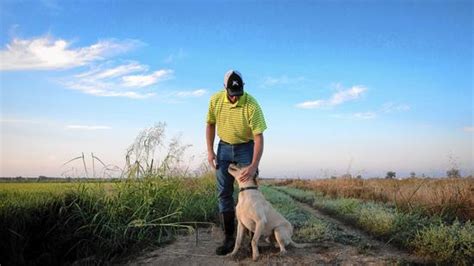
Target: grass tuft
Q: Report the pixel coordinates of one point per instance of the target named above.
(447, 243)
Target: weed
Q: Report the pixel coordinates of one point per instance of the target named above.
(376, 219)
(447, 243)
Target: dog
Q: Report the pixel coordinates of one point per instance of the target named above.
(257, 215)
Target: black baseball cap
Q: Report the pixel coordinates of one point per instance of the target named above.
(233, 83)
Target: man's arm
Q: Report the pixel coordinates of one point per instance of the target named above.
(210, 136)
(257, 155)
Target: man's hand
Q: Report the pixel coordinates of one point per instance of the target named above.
(211, 158)
(247, 173)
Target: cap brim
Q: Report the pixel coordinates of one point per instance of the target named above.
(235, 92)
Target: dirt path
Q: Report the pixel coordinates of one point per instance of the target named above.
(359, 249)
(366, 241)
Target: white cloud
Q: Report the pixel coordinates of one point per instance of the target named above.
(195, 93)
(106, 80)
(111, 93)
(114, 81)
(365, 115)
(391, 107)
(311, 104)
(282, 80)
(356, 116)
(53, 5)
(338, 98)
(343, 96)
(385, 109)
(45, 53)
(114, 71)
(469, 129)
(175, 57)
(84, 127)
(19, 121)
(146, 80)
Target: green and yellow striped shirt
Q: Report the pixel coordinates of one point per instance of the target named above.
(236, 122)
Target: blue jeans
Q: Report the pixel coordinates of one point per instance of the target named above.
(241, 154)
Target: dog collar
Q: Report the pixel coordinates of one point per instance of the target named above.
(245, 188)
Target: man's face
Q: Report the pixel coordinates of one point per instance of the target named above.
(233, 99)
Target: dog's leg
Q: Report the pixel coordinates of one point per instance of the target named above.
(238, 240)
(280, 238)
(256, 236)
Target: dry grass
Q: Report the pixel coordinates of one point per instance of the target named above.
(449, 198)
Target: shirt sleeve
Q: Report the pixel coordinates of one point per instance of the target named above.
(257, 120)
(211, 114)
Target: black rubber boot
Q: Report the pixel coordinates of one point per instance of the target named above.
(229, 228)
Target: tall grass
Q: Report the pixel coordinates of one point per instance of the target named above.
(100, 222)
(448, 198)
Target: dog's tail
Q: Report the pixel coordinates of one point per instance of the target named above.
(301, 245)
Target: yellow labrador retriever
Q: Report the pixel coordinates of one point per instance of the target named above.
(258, 216)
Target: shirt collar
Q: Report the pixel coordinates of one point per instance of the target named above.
(239, 102)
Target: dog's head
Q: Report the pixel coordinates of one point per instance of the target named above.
(236, 171)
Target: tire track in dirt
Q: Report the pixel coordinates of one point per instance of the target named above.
(355, 248)
(369, 243)
(184, 251)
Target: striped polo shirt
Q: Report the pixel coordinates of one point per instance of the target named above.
(236, 122)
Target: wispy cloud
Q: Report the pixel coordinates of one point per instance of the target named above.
(139, 81)
(337, 98)
(53, 5)
(281, 80)
(85, 127)
(469, 129)
(125, 69)
(392, 107)
(35, 121)
(365, 115)
(385, 109)
(195, 93)
(19, 121)
(46, 52)
(357, 116)
(115, 81)
(175, 56)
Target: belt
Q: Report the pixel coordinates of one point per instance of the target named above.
(226, 143)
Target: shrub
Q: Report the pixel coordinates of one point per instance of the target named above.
(313, 230)
(342, 206)
(405, 226)
(376, 219)
(447, 243)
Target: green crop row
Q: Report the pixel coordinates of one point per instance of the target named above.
(427, 236)
(100, 221)
(307, 227)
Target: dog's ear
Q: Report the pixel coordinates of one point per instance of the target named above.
(233, 169)
(255, 178)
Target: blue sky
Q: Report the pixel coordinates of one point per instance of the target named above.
(346, 86)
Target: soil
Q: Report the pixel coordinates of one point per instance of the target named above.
(357, 248)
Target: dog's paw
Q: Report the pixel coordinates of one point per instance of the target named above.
(255, 258)
(231, 255)
(283, 252)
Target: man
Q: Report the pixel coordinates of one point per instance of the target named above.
(240, 124)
